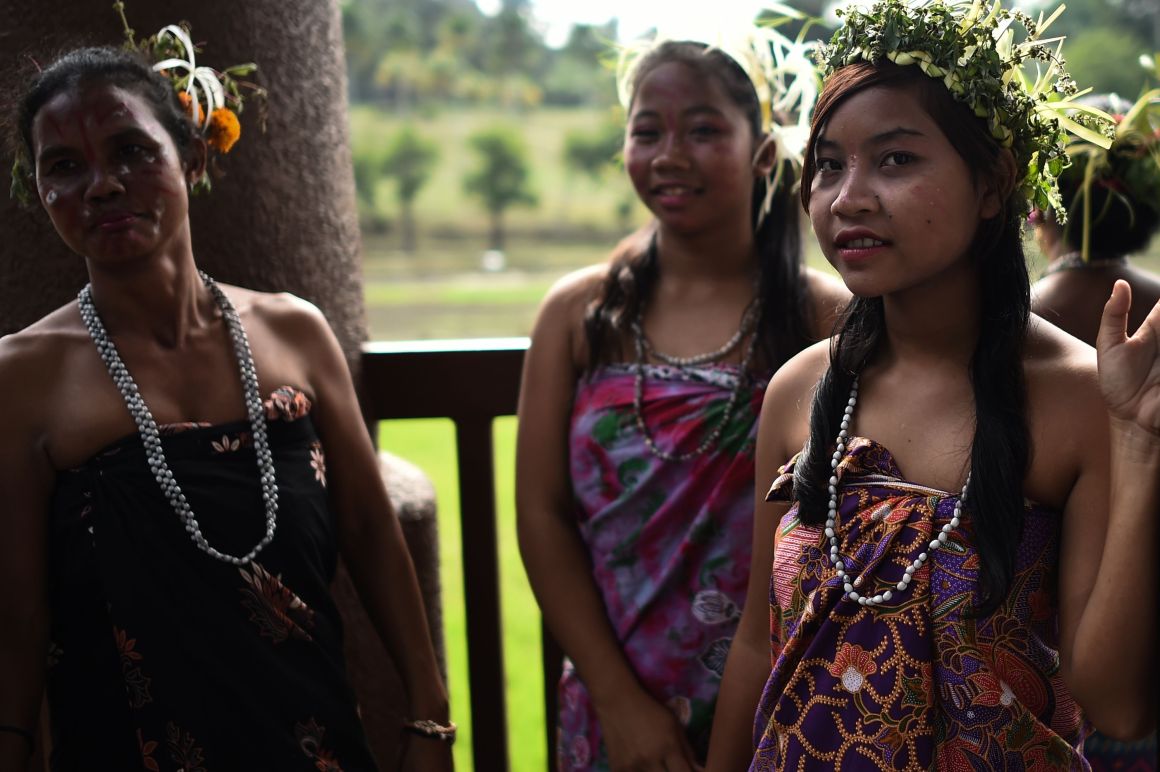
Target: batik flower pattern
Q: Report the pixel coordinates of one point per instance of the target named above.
(918, 682)
(669, 541)
(274, 608)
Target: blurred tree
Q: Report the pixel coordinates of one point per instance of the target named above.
(367, 173)
(1102, 58)
(1105, 39)
(515, 54)
(409, 161)
(594, 152)
(501, 179)
(378, 32)
(582, 72)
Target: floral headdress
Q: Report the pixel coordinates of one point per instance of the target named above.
(971, 46)
(213, 99)
(781, 69)
(1129, 170)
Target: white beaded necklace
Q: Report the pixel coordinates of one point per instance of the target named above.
(848, 583)
(151, 439)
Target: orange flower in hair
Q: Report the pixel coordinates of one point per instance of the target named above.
(192, 108)
(224, 129)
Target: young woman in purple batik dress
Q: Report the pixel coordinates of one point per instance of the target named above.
(962, 521)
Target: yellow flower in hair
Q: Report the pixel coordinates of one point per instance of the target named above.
(224, 129)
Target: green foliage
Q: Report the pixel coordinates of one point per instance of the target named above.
(1107, 59)
(1119, 31)
(409, 161)
(411, 53)
(582, 72)
(501, 179)
(571, 206)
(367, 172)
(594, 152)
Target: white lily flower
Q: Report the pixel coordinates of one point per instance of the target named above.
(203, 82)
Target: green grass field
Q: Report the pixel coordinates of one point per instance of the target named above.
(430, 444)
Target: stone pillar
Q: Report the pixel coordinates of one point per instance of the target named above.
(283, 217)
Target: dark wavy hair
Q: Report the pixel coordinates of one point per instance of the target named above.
(1000, 449)
(632, 271)
(115, 66)
(1121, 224)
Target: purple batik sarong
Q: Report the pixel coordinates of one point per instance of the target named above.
(916, 683)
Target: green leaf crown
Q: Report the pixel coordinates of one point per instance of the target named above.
(972, 47)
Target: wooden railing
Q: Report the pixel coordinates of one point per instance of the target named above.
(472, 382)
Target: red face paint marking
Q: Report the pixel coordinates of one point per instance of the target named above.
(55, 127)
(90, 151)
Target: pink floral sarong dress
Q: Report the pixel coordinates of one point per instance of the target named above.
(669, 541)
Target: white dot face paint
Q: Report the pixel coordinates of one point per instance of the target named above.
(50, 197)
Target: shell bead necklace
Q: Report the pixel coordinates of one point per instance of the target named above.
(848, 582)
(151, 438)
(748, 322)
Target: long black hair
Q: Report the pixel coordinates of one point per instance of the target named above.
(632, 271)
(1000, 449)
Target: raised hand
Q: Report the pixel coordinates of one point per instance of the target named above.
(1129, 367)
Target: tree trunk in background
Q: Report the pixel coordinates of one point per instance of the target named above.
(282, 218)
(497, 233)
(407, 225)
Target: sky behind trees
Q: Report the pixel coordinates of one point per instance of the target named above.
(523, 53)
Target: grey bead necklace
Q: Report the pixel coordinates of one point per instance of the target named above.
(748, 321)
(850, 583)
(151, 439)
(730, 408)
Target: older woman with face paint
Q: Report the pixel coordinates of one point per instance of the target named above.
(180, 464)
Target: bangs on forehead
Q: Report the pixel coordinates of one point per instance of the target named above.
(966, 133)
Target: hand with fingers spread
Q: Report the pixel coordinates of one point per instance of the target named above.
(642, 735)
(1129, 367)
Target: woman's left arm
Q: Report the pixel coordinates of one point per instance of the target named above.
(1109, 621)
(369, 535)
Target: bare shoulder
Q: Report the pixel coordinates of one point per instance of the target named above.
(278, 307)
(829, 296)
(560, 320)
(571, 293)
(34, 362)
(1060, 362)
(791, 389)
(794, 382)
(291, 320)
(1066, 415)
(40, 348)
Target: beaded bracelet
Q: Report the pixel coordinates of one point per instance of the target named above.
(19, 730)
(431, 730)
